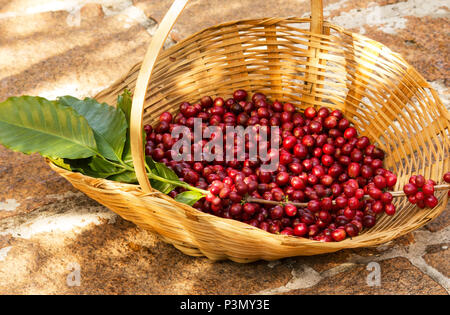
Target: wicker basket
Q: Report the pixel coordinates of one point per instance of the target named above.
(303, 61)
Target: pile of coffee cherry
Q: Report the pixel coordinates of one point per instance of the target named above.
(330, 183)
(421, 191)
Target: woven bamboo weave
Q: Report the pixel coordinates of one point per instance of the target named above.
(307, 62)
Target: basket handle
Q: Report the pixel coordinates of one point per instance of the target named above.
(136, 123)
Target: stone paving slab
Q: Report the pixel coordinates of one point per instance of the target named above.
(78, 52)
(27, 184)
(78, 47)
(438, 257)
(398, 275)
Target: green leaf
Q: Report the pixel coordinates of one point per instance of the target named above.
(151, 164)
(124, 102)
(156, 168)
(108, 123)
(102, 168)
(94, 167)
(81, 165)
(125, 177)
(61, 163)
(166, 172)
(163, 187)
(163, 171)
(33, 124)
(127, 156)
(189, 197)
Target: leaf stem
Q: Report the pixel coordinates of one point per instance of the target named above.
(122, 165)
(177, 183)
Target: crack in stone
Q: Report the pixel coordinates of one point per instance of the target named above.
(9, 205)
(66, 195)
(414, 253)
(390, 17)
(73, 7)
(136, 14)
(441, 89)
(302, 277)
(433, 273)
(305, 276)
(68, 6)
(4, 252)
(68, 216)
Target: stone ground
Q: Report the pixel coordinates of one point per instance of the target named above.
(50, 234)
